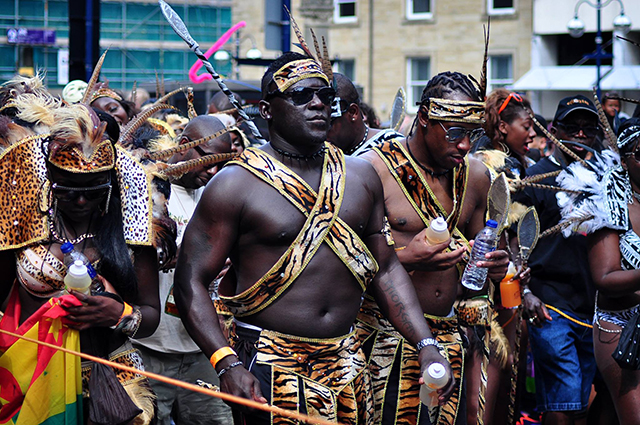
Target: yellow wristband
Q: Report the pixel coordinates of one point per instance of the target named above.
(221, 354)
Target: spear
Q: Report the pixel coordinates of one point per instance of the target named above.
(180, 28)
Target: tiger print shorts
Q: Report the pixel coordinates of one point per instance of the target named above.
(394, 368)
(325, 378)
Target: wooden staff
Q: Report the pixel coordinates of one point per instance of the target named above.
(227, 397)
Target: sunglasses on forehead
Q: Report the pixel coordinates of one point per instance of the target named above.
(456, 134)
(90, 193)
(303, 95)
(514, 96)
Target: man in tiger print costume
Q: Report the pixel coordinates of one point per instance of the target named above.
(304, 228)
(426, 176)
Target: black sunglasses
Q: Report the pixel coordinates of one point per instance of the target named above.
(303, 95)
(456, 134)
(90, 193)
(573, 129)
(635, 154)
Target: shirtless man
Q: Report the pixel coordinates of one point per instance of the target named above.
(438, 179)
(296, 322)
(348, 130)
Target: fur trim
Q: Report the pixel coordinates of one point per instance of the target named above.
(602, 195)
(37, 109)
(516, 211)
(162, 143)
(499, 344)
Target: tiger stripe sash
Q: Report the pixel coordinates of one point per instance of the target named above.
(417, 191)
(322, 225)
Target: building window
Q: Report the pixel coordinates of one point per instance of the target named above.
(418, 74)
(500, 71)
(344, 11)
(500, 7)
(347, 67)
(419, 9)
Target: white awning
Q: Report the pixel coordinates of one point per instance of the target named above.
(562, 78)
(622, 78)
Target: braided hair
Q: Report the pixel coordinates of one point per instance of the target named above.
(443, 85)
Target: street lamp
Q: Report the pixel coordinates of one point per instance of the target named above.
(576, 28)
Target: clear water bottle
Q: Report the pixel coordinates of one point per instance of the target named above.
(71, 255)
(474, 277)
(77, 278)
(96, 284)
(435, 377)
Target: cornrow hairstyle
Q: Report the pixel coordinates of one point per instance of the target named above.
(509, 113)
(446, 83)
(276, 65)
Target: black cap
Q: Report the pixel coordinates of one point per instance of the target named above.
(574, 103)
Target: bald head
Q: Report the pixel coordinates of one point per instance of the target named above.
(198, 128)
(345, 89)
(220, 102)
(203, 126)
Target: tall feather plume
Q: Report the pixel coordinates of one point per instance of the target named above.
(178, 170)
(186, 146)
(94, 79)
(326, 63)
(483, 73)
(137, 121)
(134, 92)
(158, 92)
(37, 109)
(191, 111)
(629, 41)
(303, 44)
(557, 142)
(167, 96)
(315, 43)
(551, 188)
(609, 135)
(162, 88)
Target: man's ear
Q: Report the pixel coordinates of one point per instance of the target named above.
(265, 110)
(354, 112)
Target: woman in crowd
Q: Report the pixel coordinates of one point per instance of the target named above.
(613, 206)
(112, 102)
(509, 129)
(74, 185)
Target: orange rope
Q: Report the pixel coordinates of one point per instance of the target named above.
(182, 384)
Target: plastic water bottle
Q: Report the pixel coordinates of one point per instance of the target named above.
(96, 284)
(71, 255)
(437, 232)
(474, 277)
(78, 278)
(435, 377)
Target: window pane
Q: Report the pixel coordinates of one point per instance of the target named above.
(420, 69)
(497, 4)
(417, 94)
(501, 67)
(421, 6)
(347, 9)
(347, 68)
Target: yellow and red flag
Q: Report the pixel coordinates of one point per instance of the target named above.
(38, 384)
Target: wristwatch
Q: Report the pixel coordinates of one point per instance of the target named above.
(425, 342)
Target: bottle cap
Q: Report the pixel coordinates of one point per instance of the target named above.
(439, 224)
(92, 272)
(66, 247)
(78, 268)
(436, 370)
(492, 223)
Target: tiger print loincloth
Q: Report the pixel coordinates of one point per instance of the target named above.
(324, 378)
(395, 370)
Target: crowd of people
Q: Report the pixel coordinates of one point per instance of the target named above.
(295, 271)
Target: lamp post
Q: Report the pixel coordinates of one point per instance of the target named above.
(576, 28)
